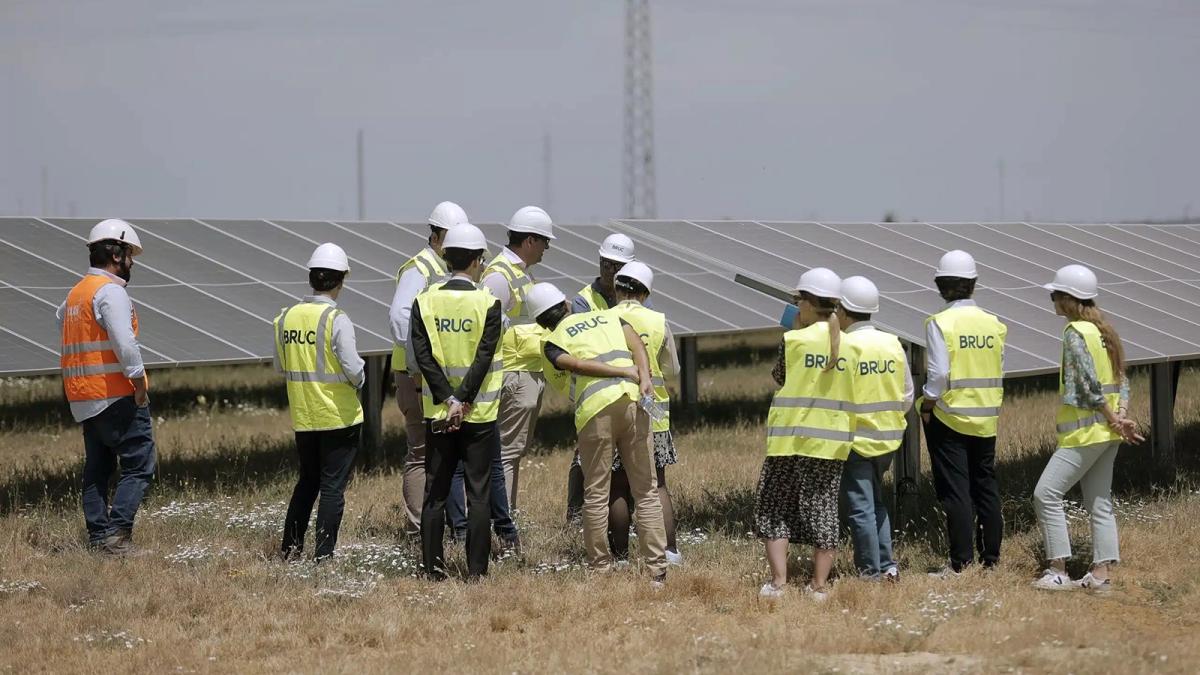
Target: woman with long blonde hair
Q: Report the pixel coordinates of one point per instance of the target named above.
(1092, 422)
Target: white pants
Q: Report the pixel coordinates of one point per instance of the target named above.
(1092, 467)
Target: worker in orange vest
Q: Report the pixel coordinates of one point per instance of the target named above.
(105, 383)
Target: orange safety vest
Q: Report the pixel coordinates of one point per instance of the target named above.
(90, 368)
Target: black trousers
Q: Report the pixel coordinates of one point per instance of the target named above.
(964, 476)
(473, 445)
(325, 461)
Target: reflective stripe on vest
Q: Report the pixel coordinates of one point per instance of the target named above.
(589, 336)
(454, 321)
(1079, 427)
(320, 396)
(812, 414)
(879, 390)
(651, 326)
(433, 269)
(974, 340)
(90, 368)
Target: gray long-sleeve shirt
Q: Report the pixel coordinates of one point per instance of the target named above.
(114, 313)
(345, 346)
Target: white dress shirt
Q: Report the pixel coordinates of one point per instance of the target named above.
(937, 356)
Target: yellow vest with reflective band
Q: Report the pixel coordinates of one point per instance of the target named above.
(1078, 427)
(811, 415)
(434, 270)
(652, 327)
(454, 321)
(975, 388)
(320, 396)
(520, 349)
(593, 299)
(597, 336)
(878, 384)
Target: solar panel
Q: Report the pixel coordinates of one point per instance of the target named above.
(1149, 275)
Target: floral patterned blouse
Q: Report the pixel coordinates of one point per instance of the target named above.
(1081, 386)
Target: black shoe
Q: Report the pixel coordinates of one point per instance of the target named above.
(575, 517)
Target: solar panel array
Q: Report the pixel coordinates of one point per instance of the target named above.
(207, 290)
(1149, 274)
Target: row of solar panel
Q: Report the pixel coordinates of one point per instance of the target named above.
(207, 290)
(1150, 275)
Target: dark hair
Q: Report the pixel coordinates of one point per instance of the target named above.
(323, 280)
(460, 259)
(434, 230)
(550, 318)
(955, 288)
(515, 239)
(857, 316)
(101, 253)
(630, 286)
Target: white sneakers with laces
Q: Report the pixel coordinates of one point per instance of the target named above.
(1053, 581)
(770, 591)
(674, 558)
(1094, 585)
(816, 595)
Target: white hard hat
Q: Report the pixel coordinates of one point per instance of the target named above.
(447, 216)
(465, 236)
(543, 296)
(821, 282)
(957, 263)
(860, 295)
(639, 271)
(1076, 281)
(329, 256)
(617, 247)
(532, 219)
(116, 229)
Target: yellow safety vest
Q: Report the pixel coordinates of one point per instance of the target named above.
(812, 414)
(595, 301)
(878, 383)
(520, 347)
(597, 336)
(1078, 427)
(454, 321)
(975, 388)
(434, 270)
(320, 396)
(652, 327)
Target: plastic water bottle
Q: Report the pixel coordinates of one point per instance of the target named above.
(652, 408)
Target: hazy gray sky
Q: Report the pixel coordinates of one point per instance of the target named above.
(781, 109)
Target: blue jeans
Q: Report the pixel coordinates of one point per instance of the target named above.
(502, 522)
(121, 434)
(870, 527)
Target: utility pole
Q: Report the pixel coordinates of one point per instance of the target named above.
(362, 204)
(638, 175)
(45, 191)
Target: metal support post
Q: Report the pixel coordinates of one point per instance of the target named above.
(906, 467)
(1162, 412)
(371, 442)
(688, 377)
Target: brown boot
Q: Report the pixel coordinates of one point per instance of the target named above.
(118, 543)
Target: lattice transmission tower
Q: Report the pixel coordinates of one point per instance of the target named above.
(638, 174)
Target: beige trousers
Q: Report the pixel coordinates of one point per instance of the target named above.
(520, 402)
(408, 397)
(625, 427)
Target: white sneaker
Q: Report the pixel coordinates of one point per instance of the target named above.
(1094, 585)
(815, 595)
(770, 591)
(946, 572)
(892, 574)
(1053, 581)
(622, 564)
(674, 558)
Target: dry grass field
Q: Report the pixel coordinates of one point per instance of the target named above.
(206, 595)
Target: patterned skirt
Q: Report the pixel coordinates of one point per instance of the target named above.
(797, 500)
